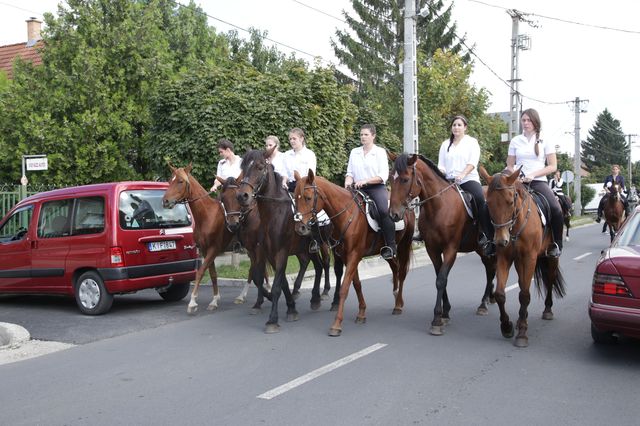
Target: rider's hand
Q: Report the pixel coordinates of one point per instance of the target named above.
(528, 178)
(458, 179)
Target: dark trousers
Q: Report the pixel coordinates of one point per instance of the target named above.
(556, 211)
(475, 189)
(380, 197)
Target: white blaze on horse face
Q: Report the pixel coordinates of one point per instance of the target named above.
(173, 178)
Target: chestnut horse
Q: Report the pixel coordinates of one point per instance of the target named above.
(444, 225)
(522, 240)
(614, 209)
(261, 186)
(353, 237)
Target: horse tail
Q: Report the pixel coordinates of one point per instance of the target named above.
(544, 266)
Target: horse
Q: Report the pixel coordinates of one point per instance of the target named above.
(567, 211)
(444, 225)
(352, 237)
(522, 240)
(246, 225)
(614, 209)
(209, 230)
(261, 185)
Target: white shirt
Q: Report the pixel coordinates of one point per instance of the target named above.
(374, 163)
(301, 161)
(278, 164)
(456, 159)
(226, 169)
(523, 150)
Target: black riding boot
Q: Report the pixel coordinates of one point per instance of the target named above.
(486, 233)
(555, 250)
(389, 234)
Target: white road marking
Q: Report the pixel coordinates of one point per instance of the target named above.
(320, 371)
(582, 256)
(511, 287)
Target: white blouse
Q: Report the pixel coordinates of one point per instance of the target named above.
(523, 150)
(226, 169)
(454, 160)
(374, 163)
(301, 161)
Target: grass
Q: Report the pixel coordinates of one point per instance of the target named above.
(242, 271)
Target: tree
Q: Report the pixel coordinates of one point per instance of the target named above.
(375, 52)
(605, 145)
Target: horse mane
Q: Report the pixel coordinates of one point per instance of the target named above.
(401, 165)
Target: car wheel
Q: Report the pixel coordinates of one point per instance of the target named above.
(602, 337)
(175, 292)
(92, 296)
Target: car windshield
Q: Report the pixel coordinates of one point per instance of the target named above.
(630, 233)
(142, 209)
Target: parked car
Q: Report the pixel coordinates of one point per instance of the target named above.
(95, 241)
(615, 300)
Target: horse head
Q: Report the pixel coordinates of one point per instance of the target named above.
(405, 185)
(503, 203)
(233, 215)
(255, 172)
(614, 190)
(309, 201)
(179, 189)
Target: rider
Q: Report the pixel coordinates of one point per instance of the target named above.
(556, 184)
(458, 160)
(537, 159)
(229, 165)
(614, 177)
(276, 158)
(368, 171)
(299, 158)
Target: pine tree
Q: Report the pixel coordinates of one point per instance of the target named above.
(605, 145)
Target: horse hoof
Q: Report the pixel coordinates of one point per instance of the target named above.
(482, 311)
(361, 320)
(396, 311)
(507, 330)
(445, 321)
(192, 309)
(293, 317)
(238, 301)
(295, 294)
(272, 328)
(315, 306)
(324, 296)
(255, 311)
(566, 239)
(436, 330)
(547, 315)
(335, 332)
(334, 308)
(212, 307)
(521, 342)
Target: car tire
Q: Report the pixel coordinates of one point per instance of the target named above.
(92, 296)
(602, 337)
(175, 292)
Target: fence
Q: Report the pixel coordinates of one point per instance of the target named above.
(10, 194)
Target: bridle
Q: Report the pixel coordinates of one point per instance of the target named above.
(411, 201)
(517, 209)
(184, 199)
(242, 214)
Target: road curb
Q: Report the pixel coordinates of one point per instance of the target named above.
(12, 336)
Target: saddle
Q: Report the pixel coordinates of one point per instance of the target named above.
(544, 210)
(371, 212)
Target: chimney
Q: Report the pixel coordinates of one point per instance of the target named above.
(33, 31)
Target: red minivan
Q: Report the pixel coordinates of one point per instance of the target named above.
(95, 241)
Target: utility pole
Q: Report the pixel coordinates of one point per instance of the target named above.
(577, 161)
(410, 124)
(630, 163)
(518, 42)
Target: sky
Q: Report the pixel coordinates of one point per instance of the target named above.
(594, 58)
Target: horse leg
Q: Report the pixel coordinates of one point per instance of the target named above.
(292, 313)
(315, 292)
(502, 274)
(325, 255)
(258, 275)
(404, 252)
(242, 297)
(279, 280)
(550, 271)
(352, 268)
(303, 260)
(442, 307)
(214, 283)
(487, 297)
(393, 264)
(338, 270)
(361, 318)
(192, 307)
(525, 274)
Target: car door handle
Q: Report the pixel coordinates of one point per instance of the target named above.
(34, 244)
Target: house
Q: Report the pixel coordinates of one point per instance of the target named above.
(28, 51)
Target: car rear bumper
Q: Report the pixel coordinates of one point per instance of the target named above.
(126, 279)
(616, 319)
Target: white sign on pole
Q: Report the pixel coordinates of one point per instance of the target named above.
(567, 176)
(37, 163)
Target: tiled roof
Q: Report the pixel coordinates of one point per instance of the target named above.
(9, 52)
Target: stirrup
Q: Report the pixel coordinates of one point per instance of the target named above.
(387, 253)
(314, 247)
(554, 250)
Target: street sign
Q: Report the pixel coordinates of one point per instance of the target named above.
(37, 163)
(567, 176)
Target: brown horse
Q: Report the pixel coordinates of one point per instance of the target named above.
(353, 237)
(444, 225)
(261, 186)
(209, 230)
(614, 209)
(521, 239)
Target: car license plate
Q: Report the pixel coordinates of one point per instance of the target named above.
(162, 245)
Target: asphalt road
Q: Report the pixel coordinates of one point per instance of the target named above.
(148, 362)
